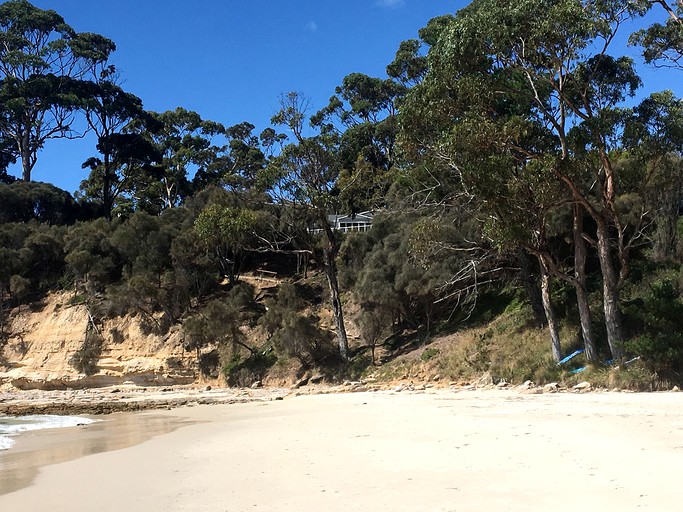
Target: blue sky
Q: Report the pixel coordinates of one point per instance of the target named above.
(230, 60)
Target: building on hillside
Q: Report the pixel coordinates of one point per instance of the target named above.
(355, 222)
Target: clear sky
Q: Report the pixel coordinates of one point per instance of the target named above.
(230, 60)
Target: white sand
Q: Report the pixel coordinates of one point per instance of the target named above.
(435, 451)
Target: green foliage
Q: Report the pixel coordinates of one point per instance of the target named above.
(662, 44)
(429, 353)
(22, 202)
(227, 232)
(90, 256)
(492, 126)
(41, 61)
(243, 372)
(295, 332)
(216, 327)
(659, 312)
(86, 357)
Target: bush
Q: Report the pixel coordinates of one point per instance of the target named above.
(429, 353)
(294, 332)
(244, 372)
(85, 358)
(658, 318)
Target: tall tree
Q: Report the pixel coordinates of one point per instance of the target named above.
(551, 57)
(654, 137)
(363, 114)
(130, 169)
(304, 176)
(662, 43)
(108, 109)
(41, 60)
(227, 232)
(184, 141)
(235, 164)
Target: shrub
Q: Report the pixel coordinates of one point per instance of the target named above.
(85, 358)
(659, 313)
(244, 372)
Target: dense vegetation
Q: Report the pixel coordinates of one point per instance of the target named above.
(508, 166)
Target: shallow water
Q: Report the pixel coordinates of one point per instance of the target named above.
(40, 445)
(11, 427)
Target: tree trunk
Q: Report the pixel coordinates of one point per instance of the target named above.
(25, 153)
(531, 286)
(580, 286)
(550, 313)
(107, 202)
(610, 292)
(331, 274)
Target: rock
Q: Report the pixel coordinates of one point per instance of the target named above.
(532, 391)
(317, 378)
(115, 390)
(484, 380)
(675, 389)
(527, 385)
(398, 388)
(301, 382)
(502, 384)
(582, 386)
(436, 378)
(257, 384)
(551, 387)
(352, 383)
(207, 388)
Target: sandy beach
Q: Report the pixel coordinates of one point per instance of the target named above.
(437, 450)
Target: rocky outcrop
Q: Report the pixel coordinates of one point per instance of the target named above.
(43, 341)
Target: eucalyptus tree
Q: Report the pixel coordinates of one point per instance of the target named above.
(108, 110)
(654, 165)
(131, 166)
(304, 176)
(235, 161)
(551, 58)
(363, 114)
(410, 64)
(662, 43)
(228, 232)
(184, 141)
(42, 60)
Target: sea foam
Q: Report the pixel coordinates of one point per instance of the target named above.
(12, 426)
(5, 442)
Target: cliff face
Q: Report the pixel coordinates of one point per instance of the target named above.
(43, 341)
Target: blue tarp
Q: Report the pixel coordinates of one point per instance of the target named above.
(571, 356)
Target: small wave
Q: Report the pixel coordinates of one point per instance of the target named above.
(12, 426)
(5, 442)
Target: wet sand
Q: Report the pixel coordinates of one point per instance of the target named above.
(430, 451)
(20, 465)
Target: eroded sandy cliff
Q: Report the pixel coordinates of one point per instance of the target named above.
(43, 340)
